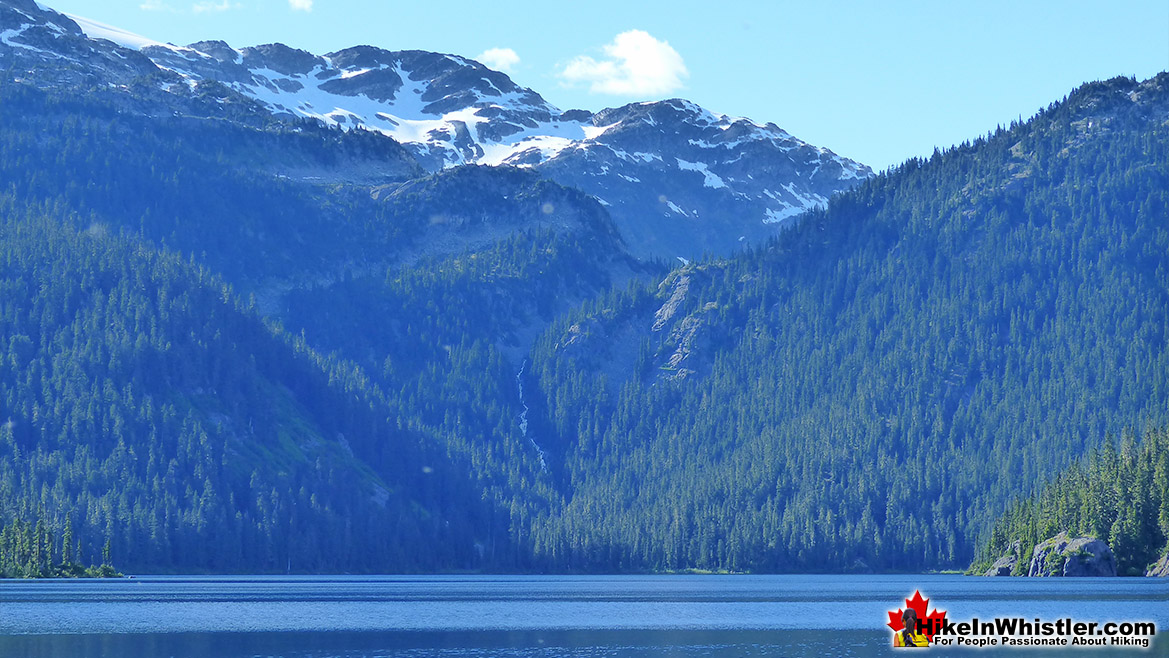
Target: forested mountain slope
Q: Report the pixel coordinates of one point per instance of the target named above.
(426, 291)
(871, 389)
(231, 342)
(147, 407)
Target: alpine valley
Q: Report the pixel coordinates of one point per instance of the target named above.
(263, 310)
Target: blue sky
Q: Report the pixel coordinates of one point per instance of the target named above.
(877, 82)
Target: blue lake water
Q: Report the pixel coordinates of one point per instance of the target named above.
(537, 616)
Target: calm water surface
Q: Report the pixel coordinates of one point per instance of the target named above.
(536, 616)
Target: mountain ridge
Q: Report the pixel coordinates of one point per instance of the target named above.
(235, 341)
(873, 387)
(448, 110)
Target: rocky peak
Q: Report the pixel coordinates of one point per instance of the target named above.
(218, 50)
(281, 59)
(678, 179)
(682, 180)
(578, 116)
(21, 5)
(674, 109)
(360, 57)
(46, 49)
(24, 22)
(196, 65)
(29, 8)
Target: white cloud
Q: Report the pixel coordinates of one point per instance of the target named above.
(154, 5)
(500, 59)
(301, 5)
(636, 64)
(203, 7)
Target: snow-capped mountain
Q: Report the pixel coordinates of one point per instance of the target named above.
(677, 179)
(681, 180)
(39, 46)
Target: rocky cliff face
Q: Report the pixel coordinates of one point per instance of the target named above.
(1160, 568)
(678, 180)
(1066, 556)
(1005, 565)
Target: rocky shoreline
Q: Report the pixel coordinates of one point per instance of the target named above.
(1065, 556)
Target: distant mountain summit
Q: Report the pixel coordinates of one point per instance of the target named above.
(681, 180)
(235, 338)
(42, 47)
(677, 179)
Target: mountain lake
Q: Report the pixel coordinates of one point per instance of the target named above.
(483, 616)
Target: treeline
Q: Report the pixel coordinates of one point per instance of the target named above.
(1120, 496)
(34, 551)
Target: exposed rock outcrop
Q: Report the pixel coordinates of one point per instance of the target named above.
(1160, 568)
(1072, 556)
(859, 566)
(1005, 565)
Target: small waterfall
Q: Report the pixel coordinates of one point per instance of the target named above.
(519, 381)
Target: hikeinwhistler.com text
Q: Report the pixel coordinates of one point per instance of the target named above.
(1020, 632)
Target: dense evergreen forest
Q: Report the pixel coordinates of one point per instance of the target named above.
(35, 551)
(871, 390)
(219, 191)
(145, 407)
(1119, 495)
(241, 347)
(415, 286)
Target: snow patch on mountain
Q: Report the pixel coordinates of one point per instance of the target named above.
(777, 216)
(710, 179)
(95, 30)
(647, 162)
(7, 35)
(674, 208)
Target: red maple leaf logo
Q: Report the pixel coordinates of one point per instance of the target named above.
(929, 624)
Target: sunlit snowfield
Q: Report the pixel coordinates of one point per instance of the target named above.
(533, 616)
